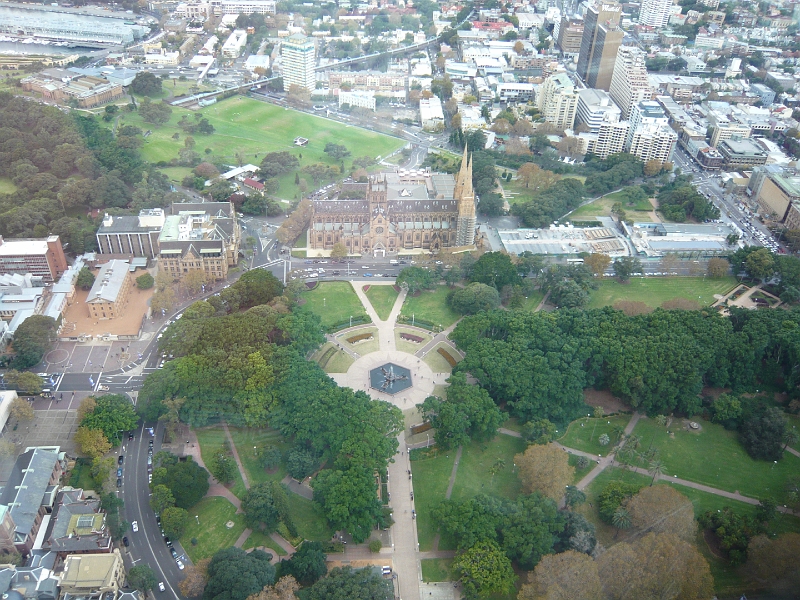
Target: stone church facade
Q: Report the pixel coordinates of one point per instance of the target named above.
(398, 211)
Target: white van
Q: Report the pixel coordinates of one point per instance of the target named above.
(393, 262)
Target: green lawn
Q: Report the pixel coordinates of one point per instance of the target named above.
(437, 362)
(583, 434)
(81, 475)
(309, 519)
(654, 291)
(362, 347)
(715, 457)
(258, 539)
(382, 298)
(602, 208)
(211, 534)
(431, 477)
(7, 186)
(333, 301)
(532, 301)
(176, 174)
(579, 473)
(253, 128)
(431, 305)
(477, 458)
(246, 439)
(405, 345)
(211, 440)
(437, 569)
(338, 362)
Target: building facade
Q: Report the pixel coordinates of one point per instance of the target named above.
(558, 101)
(570, 34)
(41, 257)
(65, 87)
(138, 236)
(629, 83)
(358, 99)
(110, 291)
(398, 211)
(596, 107)
(776, 196)
(655, 13)
(202, 236)
(601, 39)
(298, 56)
(650, 137)
(739, 153)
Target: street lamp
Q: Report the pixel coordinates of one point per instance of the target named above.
(197, 518)
(254, 451)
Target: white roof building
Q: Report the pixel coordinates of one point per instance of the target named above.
(431, 114)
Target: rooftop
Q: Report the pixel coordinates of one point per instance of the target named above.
(25, 490)
(108, 282)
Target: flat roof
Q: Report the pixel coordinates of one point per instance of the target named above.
(22, 247)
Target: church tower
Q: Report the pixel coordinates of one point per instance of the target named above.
(465, 196)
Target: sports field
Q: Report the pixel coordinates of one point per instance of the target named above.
(251, 129)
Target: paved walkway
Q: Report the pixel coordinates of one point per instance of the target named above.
(605, 461)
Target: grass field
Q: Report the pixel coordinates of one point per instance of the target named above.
(339, 362)
(253, 128)
(519, 193)
(477, 458)
(654, 291)
(333, 302)
(382, 298)
(258, 539)
(211, 534)
(364, 347)
(431, 477)
(602, 208)
(81, 474)
(437, 362)
(176, 174)
(583, 434)
(724, 464)
(309, 519)
(246, 440)
(437, 569)
(211, 440)
(431, 305)
(7, 186)
(532, 301)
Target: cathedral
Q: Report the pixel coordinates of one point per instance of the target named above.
(403, 210)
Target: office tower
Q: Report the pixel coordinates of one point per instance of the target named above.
(298, 62)
(601, 40)
(650, 137)
(596, 107)
(629, 84)
(558, 101)
(569, 36)
(655, 13)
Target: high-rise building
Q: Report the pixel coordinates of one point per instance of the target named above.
(650, 137)
(607, 140)
(629, 84)
(558, 101)
(298, 62)
(602, 37)
(596, 107)
(570, 34)
(655, 13)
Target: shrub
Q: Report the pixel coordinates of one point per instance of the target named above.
(145, 281)
(446, 355)
(375, 546)
(359, 338)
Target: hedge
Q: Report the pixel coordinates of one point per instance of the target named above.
(360, 337)
(450, 360)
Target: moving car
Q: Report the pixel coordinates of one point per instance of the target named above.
(161, 587)
(135, 526)
(102, 388)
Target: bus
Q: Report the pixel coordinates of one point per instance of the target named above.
(574, 261)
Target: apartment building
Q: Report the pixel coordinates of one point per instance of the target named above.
(558, 101)
(629, 83)
(650, 137)
(596, 107)
(298, 61)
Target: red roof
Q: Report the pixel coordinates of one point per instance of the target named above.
(252, 183)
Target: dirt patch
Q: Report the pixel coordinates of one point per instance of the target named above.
(715, 392)
(712, 541)
(77, 320)
(604, 398)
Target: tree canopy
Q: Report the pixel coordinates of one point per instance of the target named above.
(186, 480)
(112, 414)
(234, 574)
(345, 583)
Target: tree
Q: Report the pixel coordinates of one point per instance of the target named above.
(484, 570)
(621, 519)
(495, 269)
(275, 164)
(86, 407)
(349, 500)
(564, 576)
(336, 151)
(187, 481)
(656, 468)
(222, 467)
(155, 113)
(416, 278)
(91, 442)
(195, 579)
(662, 509)
(259, 508)
(613, 495)
(307, 565)
(345, 583)
(535, 178)
(145, 281)
(142, 578)
(161, 498)
(26, 383)
(597, 263)
(544, 469)
(773, 562)
(194, 281)
(284, 589)
(270, 456)
(339, 250)
(604, 440)
(718, 267)
(112, 414)
(173, 521)
(468, 413)
(760, 264)
(727, 411)
(234, 574)
(539, 431)
(146, 84)
(32, 340)
(474, 298)
(21, 410)
(661, 562)
(652, 168)
(85, 279)
(762, 433)
(626, 266)
(301, 462)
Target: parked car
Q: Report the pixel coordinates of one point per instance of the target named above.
(119, 481)
(179, 563)
(125, 541)
(119, 472)
(173, 552)
(120, 459)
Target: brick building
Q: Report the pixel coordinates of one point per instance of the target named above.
(41, 257)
